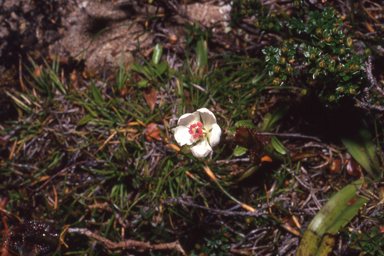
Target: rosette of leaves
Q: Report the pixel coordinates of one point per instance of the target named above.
(253, 142)
(328, 62)
(269, 23)
(266, 21)
(243, 8)
(217, 243)
(278, 61)
(248, 139)
(369, 243)
(320, 25)
(298, 25)
(247, 8)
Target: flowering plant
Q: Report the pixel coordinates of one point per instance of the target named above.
(198, 131)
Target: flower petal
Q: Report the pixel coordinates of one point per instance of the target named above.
(182, 136)
(201, 150)
(208, 118)
(188, 119)
(215, 135)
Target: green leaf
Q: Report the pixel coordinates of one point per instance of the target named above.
(239, 151)
(251, 170)
(244, 123)
(278, 146)
(157, 52)
(162, 67)
(231, 131)
(202, 54)
(55, 161)
(336, 213)
(374, 232)
(144, 70)
(143, 83)
(270, 120)
(360, 146)
(137, 68)
(345, 78)
(186, 149)
(148, 71)
(85, 120)
(96, 94)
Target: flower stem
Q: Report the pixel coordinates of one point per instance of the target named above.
(212, 176)
(226, 192)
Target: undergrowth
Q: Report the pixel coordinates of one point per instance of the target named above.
(99, 155)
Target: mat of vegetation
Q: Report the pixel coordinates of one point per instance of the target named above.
(259, 135)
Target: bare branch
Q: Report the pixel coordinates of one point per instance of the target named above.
(128, 244)
(365, 103)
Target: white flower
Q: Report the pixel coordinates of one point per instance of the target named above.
(199, 128)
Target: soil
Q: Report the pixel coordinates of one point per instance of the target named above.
(92, 30)
(95, 34)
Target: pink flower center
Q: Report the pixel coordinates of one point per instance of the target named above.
(196, 130)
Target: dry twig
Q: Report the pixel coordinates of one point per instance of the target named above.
(128, 244)
(365, 103)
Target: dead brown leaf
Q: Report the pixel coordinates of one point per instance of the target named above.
(335, 166)
(152, 132)
(353, 168)
(37, 72)
(150, 96)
